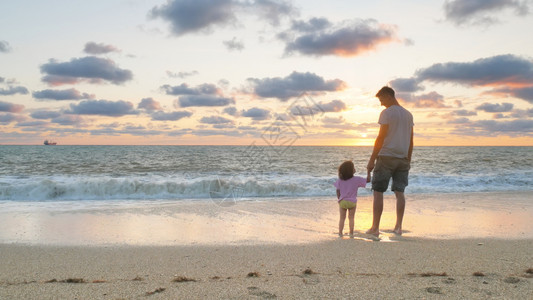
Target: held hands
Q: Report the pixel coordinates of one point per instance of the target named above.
(370, 166)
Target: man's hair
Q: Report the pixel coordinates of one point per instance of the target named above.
(385, 91)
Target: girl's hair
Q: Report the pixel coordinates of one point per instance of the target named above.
(346, 170)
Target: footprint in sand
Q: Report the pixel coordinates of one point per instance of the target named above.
(255, 291)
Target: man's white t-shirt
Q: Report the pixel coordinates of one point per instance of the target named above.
(398, 139)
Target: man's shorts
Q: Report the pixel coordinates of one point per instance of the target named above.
(347, 204)
(388, 167)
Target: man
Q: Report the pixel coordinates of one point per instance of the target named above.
(391, 157)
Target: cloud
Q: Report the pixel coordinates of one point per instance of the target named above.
(333, 106)
(94, 48)
(90, 69)
(313, 108)
(215, 120)
(6, 118)
(184, 89)
(204, 100)
(313, 25)
(522, 113)
(272, 10)
(234, 45)
(524, 93)
(103, 108)
(4, 47)
(319, 37)
(45, 114)
(256, 114)
(181, 74)
(478, 12)
(497, 70)
(463, 113)
(429, 100)
(187, 16)
(232, 111)
(294, 85)
(33, 124)
(149, 104)
(515, 126)
(59, 95)
(172, 116)
(12, 90)
(495, 108)
(192, 16)
(408, 85)
(10, 107)
(67, 120)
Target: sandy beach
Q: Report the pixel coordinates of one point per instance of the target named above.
(469, 246)
(342, 268)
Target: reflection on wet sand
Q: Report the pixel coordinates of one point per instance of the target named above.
(284, 221)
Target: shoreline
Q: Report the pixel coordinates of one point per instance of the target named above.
(341, 268)
(286, 221)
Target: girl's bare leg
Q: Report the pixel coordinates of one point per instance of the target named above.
(342, 218)
(351, 218)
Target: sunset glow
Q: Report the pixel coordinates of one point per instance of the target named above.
(273, 72)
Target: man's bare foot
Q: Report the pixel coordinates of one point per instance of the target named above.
(341, 235)
(397, 231)
(372, 231)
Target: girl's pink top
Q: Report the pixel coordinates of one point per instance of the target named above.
(348, 188)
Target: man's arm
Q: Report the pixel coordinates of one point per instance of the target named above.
(410, 146)
(378, 144)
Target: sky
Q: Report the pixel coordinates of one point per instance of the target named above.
(264, 72)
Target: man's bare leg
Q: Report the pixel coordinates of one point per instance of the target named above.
(400, 209)
(377, 210)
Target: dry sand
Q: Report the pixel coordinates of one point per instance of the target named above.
(410, 268)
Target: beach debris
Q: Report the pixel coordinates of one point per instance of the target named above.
(308, 271)
(183, 279)
(253, 274)
(99, 281)
(478, 274)
(480, 244)
(449, 280)
(74, 280)
(432, 274)
(215, 278)
(429, 274)
(511, 279)
(434, 290)
(69, 280)
(528, 273)
(138, 278)
(158, 290)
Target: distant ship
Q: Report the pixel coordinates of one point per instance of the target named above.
(49, 143)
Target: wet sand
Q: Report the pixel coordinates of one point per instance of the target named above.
(278, 221)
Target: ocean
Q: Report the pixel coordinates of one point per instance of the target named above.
(240, 173)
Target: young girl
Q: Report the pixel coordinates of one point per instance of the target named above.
(347, 186)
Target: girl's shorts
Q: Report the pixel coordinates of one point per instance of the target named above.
(347, 204)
